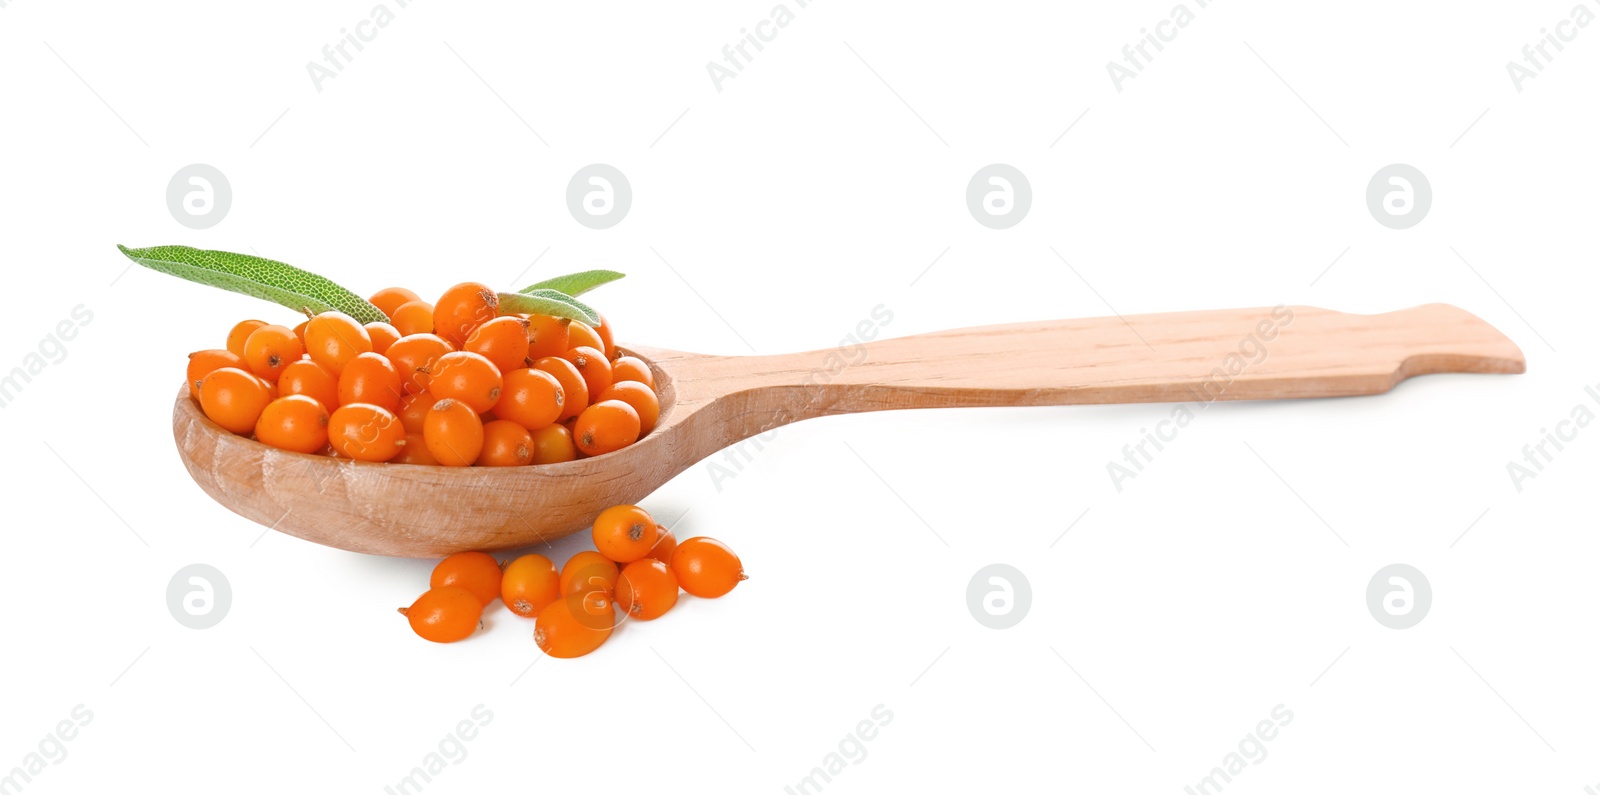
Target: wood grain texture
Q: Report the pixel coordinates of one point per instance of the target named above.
(710, 402)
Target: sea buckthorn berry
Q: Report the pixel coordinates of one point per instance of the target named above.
(547, 336)
(414, 410)
(269, 349)
(552, 444)
(308, 378)
(383, 335)
(642, 398)
(505, 444)
(366, 432)
(588, 572)
(233, 398)
(605, 427)
(370, 378)
(593, 366)
(624, 533)
(503, 341)
(296, 423)
(646, 589)
(666, 544)
(444, 615)
(477, 572)
(300, 332)
(389, 299)
(632, 368)
(412, 317)
(414, 356)
(462, 309)
(454, 433)
(531, 398)
(334, 338)
(583, 335)
(467, 377)
(706, 567)
(203, 362)
(415, 451)
(574, 392)
(241, 332)
(608, 345)
(530, 584)
(575, 625)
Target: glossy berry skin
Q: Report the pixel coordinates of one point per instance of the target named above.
(574, 391)
(334, 338)
(241, 332)
(624, 533)
(477, 572)
(593, 366)
(453, 433)
(296, 423)
(389, 299)
(632, 368)
(414, 356)
(467, 377)
(412, 317)
(414, 410)
(415, 451)
(608, 345)
(233, 398)
(366, 432)
(370, 378)
(505, 444)
(552, 444)
(547, 336)
(646, 589)
(574, 625)
(503, 341)
(583, 335)
(203, 362)
(269, 349)
(666, 544)
(308, 378)
(706, 567)
(586, 572)
(531, 398)
(462, 309)
(529, 585)
(444, 615)
(605, 427)
(642, 398)
(383, 335)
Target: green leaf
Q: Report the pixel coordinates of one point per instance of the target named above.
(574, 284)
(545, 301)
(254, 276)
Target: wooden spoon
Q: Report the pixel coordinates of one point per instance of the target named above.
(710, 402)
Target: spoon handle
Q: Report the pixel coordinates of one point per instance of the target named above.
(1237, 354)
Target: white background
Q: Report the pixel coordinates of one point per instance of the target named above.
(771, 217)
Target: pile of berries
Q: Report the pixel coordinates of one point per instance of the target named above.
(454, 383)
(637, 566)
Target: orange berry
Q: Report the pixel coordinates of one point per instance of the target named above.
(444, 615)
(477, 572)
(505, 444)
(415, 451)
(300, 332)
(462, 309)
(233, 398)
(529, 584)
(666, 544)
(608, 345)
(389, 299)
(593, 366)
(415, 356)
(605, 427)
(467, 377)
(706, 567)
(588, 572)
(503, 341)
(334, 338)
(269, 349)
(624, 533)
(632, 368)
(383, 335)
(412, 317)
(366, 432)
(574, 392)
(574, 626)
(308, 378)
(453, 433)
(241, 332)
(203, 362)
(642, 398)
(531, 398)
(547, 336)
(583, 335)
(296, 423)
(552, 444)
(370, 378)
(646, 589)
(414, 410)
